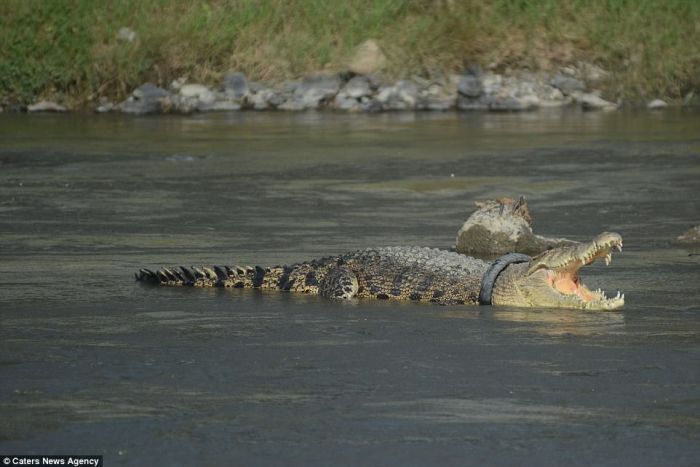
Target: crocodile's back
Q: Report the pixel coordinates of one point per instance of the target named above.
(409, 273)
(416, 273)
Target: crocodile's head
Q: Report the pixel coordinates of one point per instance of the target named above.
(552, 278)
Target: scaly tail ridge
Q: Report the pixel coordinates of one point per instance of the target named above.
(204, 276)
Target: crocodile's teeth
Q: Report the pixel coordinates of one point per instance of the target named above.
(619, 247)
(608, 259)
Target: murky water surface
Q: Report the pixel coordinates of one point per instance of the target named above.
(91, 362)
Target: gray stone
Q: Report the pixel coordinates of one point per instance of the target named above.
(195, 97)
(433, 90)
(491, 82)
(549, 96)
(235, 85)
(567, 85)
(176, 84)
(513, 104)
(275, 99)
(499, 93)
(313, 91)
(592, 74)
(126, 34)
(371, 105)
(408, 92)
(376, 81)
(657, 104)
(358, 87)
(46, 106)
(438, 96)
(287, 88)
(147, 98)
(293, 104)
(197, 92)
(256, 87)
(591, 101)
(470, 86)
(343, 101)
(149, 91)
(401, 96)
(264, 99)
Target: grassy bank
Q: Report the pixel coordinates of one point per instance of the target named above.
(68, 48)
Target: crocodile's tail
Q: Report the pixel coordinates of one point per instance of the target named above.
(215, 276)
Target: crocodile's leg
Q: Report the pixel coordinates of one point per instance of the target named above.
(339, 283)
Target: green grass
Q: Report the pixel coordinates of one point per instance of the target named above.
(67, 48)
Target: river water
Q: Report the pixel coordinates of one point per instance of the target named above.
(93, 363)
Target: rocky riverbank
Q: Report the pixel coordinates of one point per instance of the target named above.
(354, 91)
(475, 89)
(364, 88)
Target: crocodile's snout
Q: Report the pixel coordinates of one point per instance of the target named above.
(561, 266)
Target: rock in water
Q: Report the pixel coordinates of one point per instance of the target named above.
(657, 104)
(46, 106)
(590, 101)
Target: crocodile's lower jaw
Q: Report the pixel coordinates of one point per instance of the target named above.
(570, 286)
(565, 280)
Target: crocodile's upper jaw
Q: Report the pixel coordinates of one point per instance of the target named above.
(552, 278)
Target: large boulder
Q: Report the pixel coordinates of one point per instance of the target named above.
(346, 102)
(500, 93)
(147, 98)
(357, 87)
(502, 226)
(567, 84)
(367, 58)
(401, 96)
(194, 97)
(313, 92)
(264, 99)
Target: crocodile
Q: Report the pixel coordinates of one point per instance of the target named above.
(550, 279)
(691, 237)
(500, 226)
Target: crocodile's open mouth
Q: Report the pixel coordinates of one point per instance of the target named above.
(561, 267)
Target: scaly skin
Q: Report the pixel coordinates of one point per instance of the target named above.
(691, 237)
(501, 226)
(420, 274)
